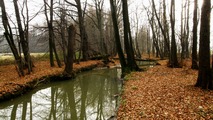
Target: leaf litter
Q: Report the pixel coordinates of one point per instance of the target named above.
(165, 93)
(10, 82)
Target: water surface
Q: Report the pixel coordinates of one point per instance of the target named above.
(91, 95)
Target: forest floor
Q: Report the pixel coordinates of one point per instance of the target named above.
(165, 93)
(11, 83)
(158, 93)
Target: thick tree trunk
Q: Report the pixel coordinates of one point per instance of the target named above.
(194, 44)
(166, 30)
(173, 61)
(204, 80)
(117, 37)
(70, 53)
(127, 39)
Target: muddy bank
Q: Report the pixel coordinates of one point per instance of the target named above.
(12, 89)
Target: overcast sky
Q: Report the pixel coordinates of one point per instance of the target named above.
(135, 8)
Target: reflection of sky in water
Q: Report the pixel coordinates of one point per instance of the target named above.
(90, 96)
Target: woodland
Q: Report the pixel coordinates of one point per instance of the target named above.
(67, 35)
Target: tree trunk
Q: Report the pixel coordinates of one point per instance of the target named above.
(117, 37)
(50, 27)
(204, 80)
(194, 44)
(52, 46)
(56, 54)
(83, 33)
(166, 30)
(9, 37)
(23, 40)
(127, 39)
(70, 53)
(187, 30)
(173, 61)
(63, 30)
(99, 14)
(163, 30)
(182, 35)
(51, 30)
(155, 41)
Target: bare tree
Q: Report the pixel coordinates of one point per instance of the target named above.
(164, 29)
(100, 24)
(52, 46)
(152, 23)
(184, 37)
(9, 37)
(63, 27)
(117, 36)
(131, 63)
(83, 33)
(137, 51)
(23, 35)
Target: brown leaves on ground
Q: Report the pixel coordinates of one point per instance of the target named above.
(165, 93)
(10, 80)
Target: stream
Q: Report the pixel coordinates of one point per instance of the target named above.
(92, 95)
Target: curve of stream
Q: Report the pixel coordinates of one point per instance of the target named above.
(91, 95)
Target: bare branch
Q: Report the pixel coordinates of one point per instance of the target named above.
(71, 3)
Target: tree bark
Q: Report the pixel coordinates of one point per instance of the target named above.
(187, 30)
(117, 36)
(83, 33)
(166, 30)
(194, 44)
(163, 30)
(70, 53)
(99, 14)
(173, 61)
(127, 39)
(52, 46)
(50, 27)
(204, 80)
(9, 37)
(23, 40)
(63, 35)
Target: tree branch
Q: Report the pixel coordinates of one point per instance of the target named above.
(71, 3)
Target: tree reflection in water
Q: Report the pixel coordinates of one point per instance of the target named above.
(90, 96)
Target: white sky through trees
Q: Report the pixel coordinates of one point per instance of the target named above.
(135, 9)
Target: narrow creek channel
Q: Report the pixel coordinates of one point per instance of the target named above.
(91, 95)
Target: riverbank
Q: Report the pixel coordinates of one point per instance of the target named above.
(11, 85)
(165, 93)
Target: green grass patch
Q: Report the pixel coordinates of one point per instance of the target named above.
(8, 59)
